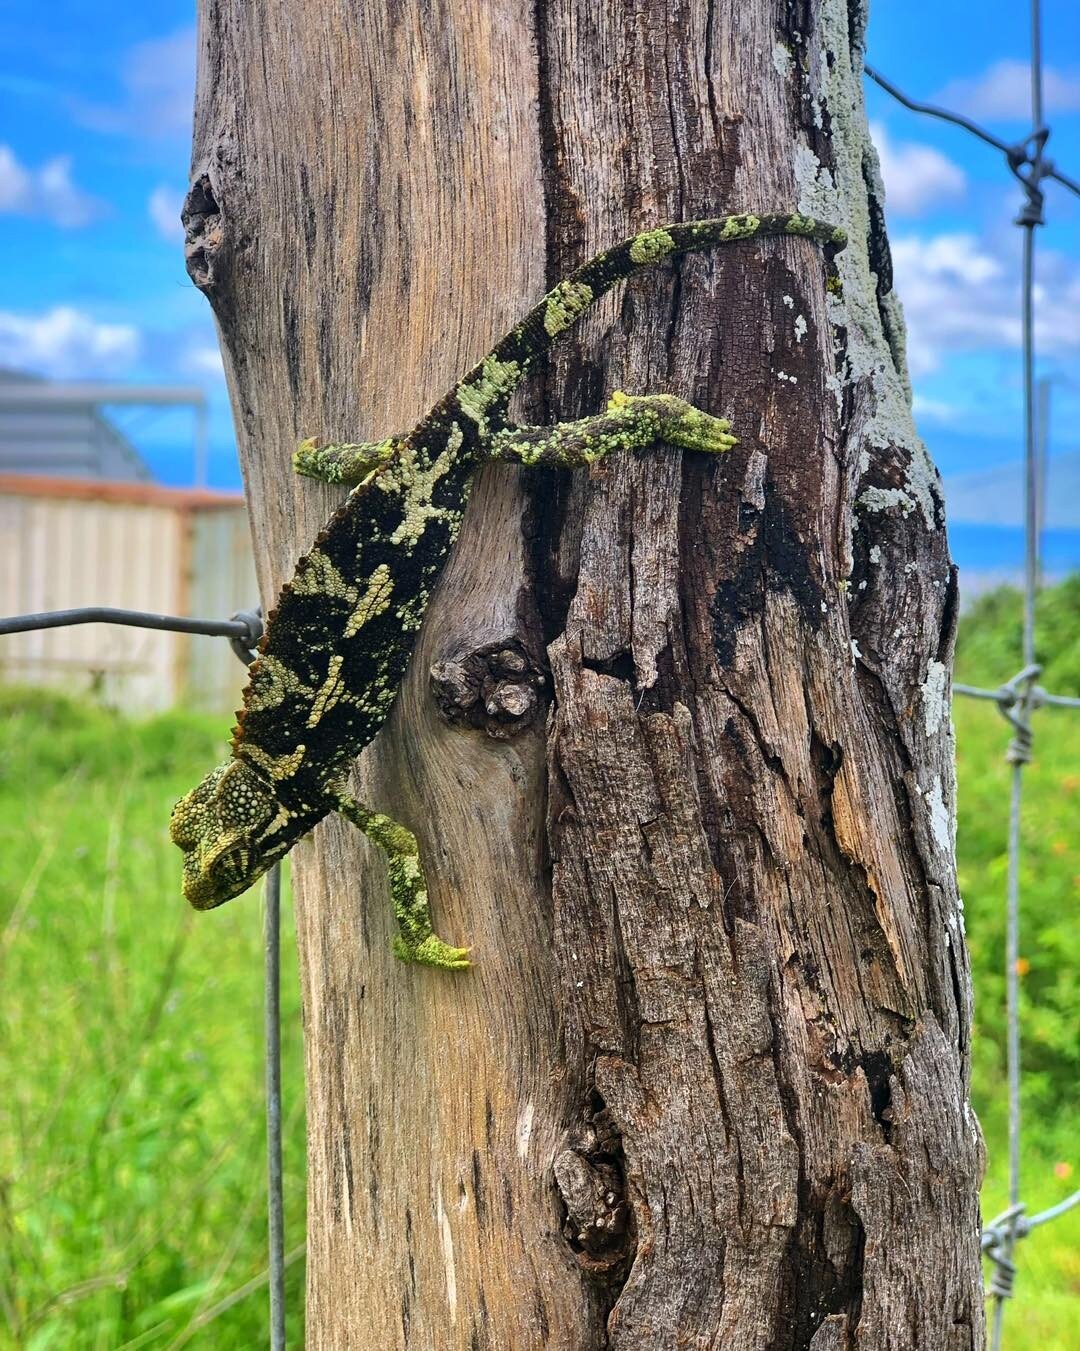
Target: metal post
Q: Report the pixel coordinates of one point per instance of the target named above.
(1031, 215)
(1042, 453)
(202, 444)
(274, 1197)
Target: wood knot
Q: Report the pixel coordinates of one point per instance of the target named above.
(494, 688)
(597, 1220)
(204, 234)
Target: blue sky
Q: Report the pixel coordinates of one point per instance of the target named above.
(94, 147)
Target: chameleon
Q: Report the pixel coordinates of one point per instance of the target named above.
(337, 644)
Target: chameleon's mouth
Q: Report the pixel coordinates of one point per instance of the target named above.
(211, 881)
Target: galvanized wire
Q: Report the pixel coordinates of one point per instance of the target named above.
(243, 626)
(1018, 153)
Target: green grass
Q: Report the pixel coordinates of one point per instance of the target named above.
(1045, 1314)
(131, 1128)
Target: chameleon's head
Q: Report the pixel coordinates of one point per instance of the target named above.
(222, 827)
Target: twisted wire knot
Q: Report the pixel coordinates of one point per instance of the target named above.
(999, 1238)
(245, 646)
(1015, 701)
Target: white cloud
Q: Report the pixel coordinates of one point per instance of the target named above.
(163, 208)
(934, 410)
(158, 79)
(1004, 92)
(960, 295)
(46, 193)
(65, 343)
(917, 177)
(206, 360)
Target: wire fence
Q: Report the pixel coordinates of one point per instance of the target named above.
(243, 630)
(1016, 699)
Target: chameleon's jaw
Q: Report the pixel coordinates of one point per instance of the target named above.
(204, 890)
(228, 868)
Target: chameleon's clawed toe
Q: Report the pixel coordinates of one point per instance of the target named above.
(432, 951)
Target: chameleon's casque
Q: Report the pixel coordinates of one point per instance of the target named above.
(338, 642)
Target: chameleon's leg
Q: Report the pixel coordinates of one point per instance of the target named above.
(346, 463)
(629, 423)
(416, 940)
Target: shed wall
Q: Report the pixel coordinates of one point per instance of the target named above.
(172, 553)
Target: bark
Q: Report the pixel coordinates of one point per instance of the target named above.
(706, 1085)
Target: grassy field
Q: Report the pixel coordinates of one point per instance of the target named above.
(131, 1134)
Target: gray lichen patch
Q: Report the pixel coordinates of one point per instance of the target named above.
(935, 697)
(872, 363)
(782, 60)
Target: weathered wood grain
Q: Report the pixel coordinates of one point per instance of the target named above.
(706, 1086)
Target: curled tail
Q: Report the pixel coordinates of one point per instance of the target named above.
(485, 391)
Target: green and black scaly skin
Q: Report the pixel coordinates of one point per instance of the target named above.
(337, 644)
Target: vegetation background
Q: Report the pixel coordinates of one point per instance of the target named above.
(132, 1155)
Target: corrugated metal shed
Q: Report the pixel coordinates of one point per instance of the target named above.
(70, 440)
(65, 543)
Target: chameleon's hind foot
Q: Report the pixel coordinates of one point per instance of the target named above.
(348, 463)
(416, 939)
(432, 951)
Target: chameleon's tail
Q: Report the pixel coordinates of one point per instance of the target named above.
(488, 386)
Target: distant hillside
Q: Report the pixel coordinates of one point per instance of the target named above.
(996, 496)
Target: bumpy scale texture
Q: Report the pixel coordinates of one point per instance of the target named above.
(338, 642)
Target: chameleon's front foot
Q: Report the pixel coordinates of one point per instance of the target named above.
(432, 951)
(341, 463)
(630, 422)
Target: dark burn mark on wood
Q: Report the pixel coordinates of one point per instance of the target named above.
(489, 1125)
(291, 323)
(541, 1315)
(308, 214)
(878, 239)
(620, 666)
(479, 1194)
(822, 1270)
(508, 1202)
(878, 1068)
(325, 345)
(774, 557)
